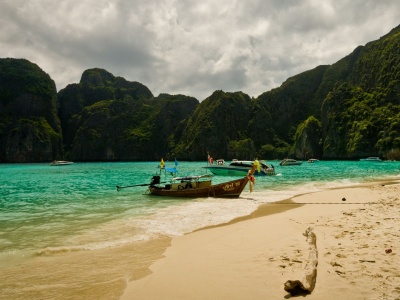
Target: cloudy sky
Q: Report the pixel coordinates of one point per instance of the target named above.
(190, 47)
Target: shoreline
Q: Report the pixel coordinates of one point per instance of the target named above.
(265, 209)
(243, 258)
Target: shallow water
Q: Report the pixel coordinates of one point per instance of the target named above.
(65, 232)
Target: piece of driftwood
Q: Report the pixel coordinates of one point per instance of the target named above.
(307, 283)
(370, 261)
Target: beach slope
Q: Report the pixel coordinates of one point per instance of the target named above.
(358, 241)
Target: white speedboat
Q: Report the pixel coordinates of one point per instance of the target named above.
(290, 162)
(372, 158)
(239, 168)
(312, 160)
(61, 163)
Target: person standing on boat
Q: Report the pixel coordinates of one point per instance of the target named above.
(162, 164)
(210, 159)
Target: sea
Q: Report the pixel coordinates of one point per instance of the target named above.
(67, 233)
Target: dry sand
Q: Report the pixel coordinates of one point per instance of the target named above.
(254, 257)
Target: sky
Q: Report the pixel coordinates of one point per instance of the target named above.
(190, 47)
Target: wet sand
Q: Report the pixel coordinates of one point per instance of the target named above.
(98, 274)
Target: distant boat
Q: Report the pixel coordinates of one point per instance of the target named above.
(312, 160)
(238, 168)
(371, 158)
(61, 163)
(290, 162)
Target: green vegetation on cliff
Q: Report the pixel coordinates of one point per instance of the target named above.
(308, 139)
(358, 123)
(218, 121)
(360, 117)
(29, 125)
(108, 118)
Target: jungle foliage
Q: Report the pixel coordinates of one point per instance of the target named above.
(29, 125)
(108, 118)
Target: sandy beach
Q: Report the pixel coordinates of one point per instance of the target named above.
(358, 242)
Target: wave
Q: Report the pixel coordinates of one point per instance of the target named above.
(92, 246)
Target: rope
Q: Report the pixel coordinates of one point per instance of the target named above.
(211, 190)
(298, 203)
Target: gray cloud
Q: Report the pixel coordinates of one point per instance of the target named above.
(190, 47)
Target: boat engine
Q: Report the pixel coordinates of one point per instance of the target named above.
(155, 180)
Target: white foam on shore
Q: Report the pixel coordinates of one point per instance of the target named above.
(183, 217)
(178, 220)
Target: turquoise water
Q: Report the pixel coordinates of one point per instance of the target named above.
(42, 206)
(76, 208)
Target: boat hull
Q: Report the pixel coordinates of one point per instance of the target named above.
(291, 164)
(230, 189)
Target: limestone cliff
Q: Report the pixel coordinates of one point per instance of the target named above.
(30, 129)
(308, 139)
(106, 118)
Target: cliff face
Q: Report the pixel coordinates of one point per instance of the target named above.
(361, 115)
(215, 125)
(356, 100)
(122, 130)
(96, 85)
(308, 139)
(107, 118)
(30, 129)
(294, 101)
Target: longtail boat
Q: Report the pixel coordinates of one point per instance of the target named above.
(199, 187)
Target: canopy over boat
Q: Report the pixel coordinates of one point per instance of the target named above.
(192, 177)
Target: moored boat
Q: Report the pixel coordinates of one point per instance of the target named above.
(199, 187)
(60, 163)
(290, 162)
(240, 168)
(371, 158)
(312, 160)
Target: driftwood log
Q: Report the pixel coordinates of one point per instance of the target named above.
(307, 283)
